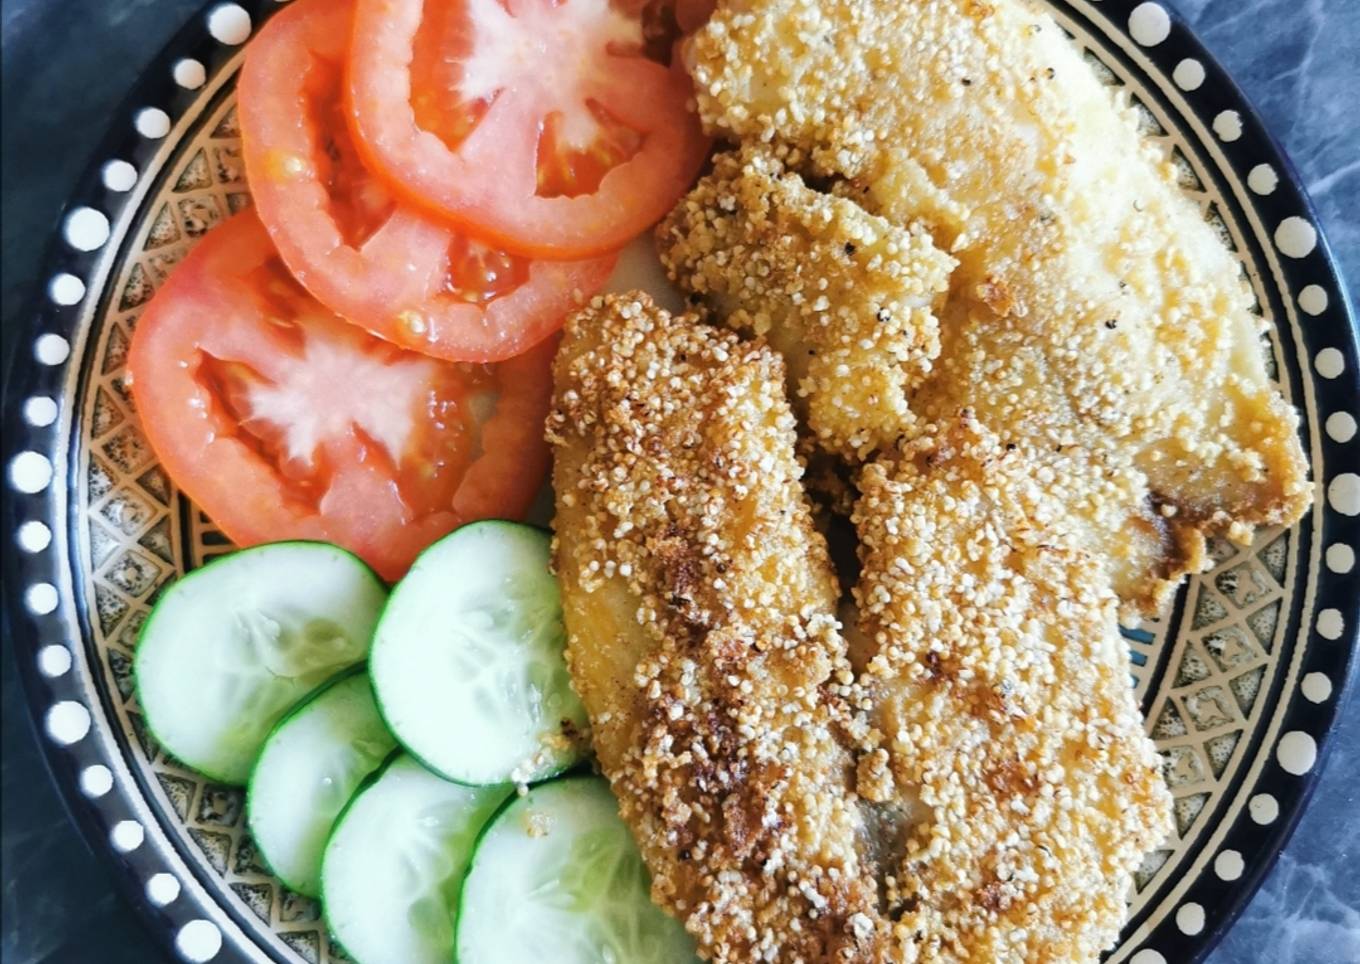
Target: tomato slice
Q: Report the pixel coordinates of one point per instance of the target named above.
(282, 421)
(370, 257)
(539, 124)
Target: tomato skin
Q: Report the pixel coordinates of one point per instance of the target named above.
(489, 182)
(220, 307)
(392, 276)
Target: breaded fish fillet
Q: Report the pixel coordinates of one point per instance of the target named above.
(788, 811)
(847, 297)
(1001, 705)
(1094, 318)
(768, 255)
(699, 605)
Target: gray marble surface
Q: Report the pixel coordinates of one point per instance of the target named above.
(66, 65)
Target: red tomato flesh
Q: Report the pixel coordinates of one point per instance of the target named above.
(538, 124)
(282, 421)
(372, 258)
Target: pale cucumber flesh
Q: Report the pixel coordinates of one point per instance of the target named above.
(395, 862)
(557, 877)
(231, 647)
(307, 771)
(468, 661)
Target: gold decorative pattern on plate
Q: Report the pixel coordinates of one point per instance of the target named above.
(1202, 672)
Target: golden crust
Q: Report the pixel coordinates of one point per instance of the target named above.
(788, 810)
(699, 607)
(847, 297)
(1094, 318)
(999, 693)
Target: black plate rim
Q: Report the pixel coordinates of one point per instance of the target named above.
(27, 632)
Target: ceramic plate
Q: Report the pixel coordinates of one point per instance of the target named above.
(1239, 681)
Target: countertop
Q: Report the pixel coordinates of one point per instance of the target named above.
(67, 64)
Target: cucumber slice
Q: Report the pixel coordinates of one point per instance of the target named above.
(233, 645)
(467, 659)
(308, 769)
(395, 862)
(557, 877)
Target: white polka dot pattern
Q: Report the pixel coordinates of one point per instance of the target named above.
(1264, 809)
(1343, 494)
(1316, 687)
(51, 349)
(40, 411)
(1190, 918)
(1340, 426)
(1228, 126)
(34, 536)
(54, 660)
(30, 472)
(66, 289)
(119, 176)
(1330, 624)
(1147, 956)
(67, 722)
(96, 780)
(1313, 299)
(1340, 558)
(1149, 24)
(127, 835)
(190, 74)
(1188, 75)
(152, 123)
(162, 889)
(1297, 752)
(1229, 865)
(41, 598)
(1330, 363)
(86, 229)
(229, 24)
(198, 941)
(1263, 180)
(1295, 237)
